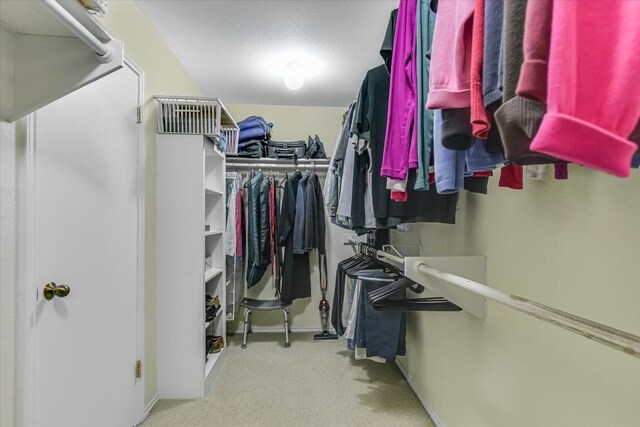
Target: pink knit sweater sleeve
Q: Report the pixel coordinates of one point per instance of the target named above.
(593, 89)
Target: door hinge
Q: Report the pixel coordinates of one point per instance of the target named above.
(139, 115)
(138, 369)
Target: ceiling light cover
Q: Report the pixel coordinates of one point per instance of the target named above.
(293, 76)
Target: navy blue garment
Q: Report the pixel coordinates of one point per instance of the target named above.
(384, 279)
(381, 333)
(382, 328)
(300, 219)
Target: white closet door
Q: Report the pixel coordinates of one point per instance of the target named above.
(86, 150)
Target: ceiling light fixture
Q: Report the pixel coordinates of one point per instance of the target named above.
(293, 76)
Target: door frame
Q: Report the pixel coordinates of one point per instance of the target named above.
(27, 289)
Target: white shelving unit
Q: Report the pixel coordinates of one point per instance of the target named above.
(190, 262)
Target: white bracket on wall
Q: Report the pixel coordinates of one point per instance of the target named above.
(349, 238)
(470, 267)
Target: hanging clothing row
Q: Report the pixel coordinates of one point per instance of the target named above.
(234, 239)
(357, 195)
(283, 214)
(506, 97)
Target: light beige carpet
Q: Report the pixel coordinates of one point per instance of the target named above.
(313, 383)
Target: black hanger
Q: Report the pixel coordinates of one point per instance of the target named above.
(382, 299)
(392, 288)
(418, 304)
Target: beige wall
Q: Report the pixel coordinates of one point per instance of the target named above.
(295, 123)
(164, 75)
(574, 245)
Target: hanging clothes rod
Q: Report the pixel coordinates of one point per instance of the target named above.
(615, 338)
(320, 165)
(103, 51)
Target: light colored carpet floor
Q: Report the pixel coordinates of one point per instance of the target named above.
(313, 383)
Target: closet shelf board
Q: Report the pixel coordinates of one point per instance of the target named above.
(215, 152)
(213, 232)
(213, 192)
(211, 361)
(45, 44)
(211, 273)
(216, 317)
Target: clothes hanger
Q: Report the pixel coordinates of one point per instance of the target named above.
(359, 261)
(351, 261)
(248, 179)
(365, 263)
(382, 300)
(392, 288)
(418, 304)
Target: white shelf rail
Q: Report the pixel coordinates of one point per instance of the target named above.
(318, 165)
(615, 338)
(103, 51)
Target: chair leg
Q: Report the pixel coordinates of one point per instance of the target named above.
(246, 328)
(250, 322)
(287, 343)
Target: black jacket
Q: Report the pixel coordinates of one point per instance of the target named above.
(296, 274)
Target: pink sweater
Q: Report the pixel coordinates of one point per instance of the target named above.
(450, 56)
(593, 91)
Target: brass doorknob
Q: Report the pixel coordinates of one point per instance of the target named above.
(52, 290)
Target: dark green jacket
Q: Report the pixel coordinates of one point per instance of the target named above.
(257, 228)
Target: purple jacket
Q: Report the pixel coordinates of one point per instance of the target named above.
(400, 148)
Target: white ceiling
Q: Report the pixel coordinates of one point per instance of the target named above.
(229, 47)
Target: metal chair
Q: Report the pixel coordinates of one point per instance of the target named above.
(251, 304)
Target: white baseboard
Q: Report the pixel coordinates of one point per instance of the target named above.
(425, 403)
(148, 409)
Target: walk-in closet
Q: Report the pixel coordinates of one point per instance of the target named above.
(319, 213)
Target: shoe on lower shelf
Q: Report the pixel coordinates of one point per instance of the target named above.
(209, 344)
(217, 344)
